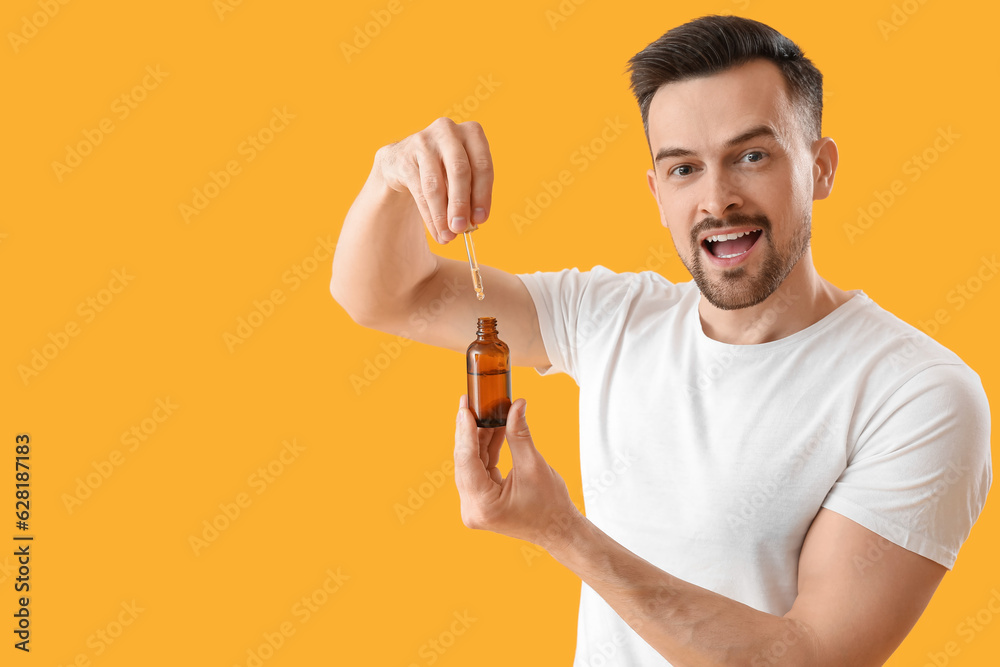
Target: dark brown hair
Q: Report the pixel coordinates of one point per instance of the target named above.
(712, 44)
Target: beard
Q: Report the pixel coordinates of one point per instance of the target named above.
(736, 288)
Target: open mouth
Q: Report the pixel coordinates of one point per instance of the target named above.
(728, 246)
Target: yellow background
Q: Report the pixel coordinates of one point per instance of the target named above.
(368, 449)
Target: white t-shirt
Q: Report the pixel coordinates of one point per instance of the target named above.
(711, 460)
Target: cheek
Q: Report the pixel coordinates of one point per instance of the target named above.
(802, 182)
(787, 196)
(676, 215)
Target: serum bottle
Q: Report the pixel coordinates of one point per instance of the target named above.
(488, 365)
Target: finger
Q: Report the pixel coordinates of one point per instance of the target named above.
(433, 189)
(490, 439)
(485, 435)
(494, 446)
(411, 180)
(470, 473)
(481, 162)
(483, 442)
(459, 175)
(522, 448)
(401, 171)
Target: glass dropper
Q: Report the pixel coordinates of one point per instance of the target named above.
(477, 278)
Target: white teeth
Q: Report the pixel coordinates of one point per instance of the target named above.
(728, 237)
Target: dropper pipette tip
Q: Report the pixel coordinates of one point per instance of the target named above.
(477, 278)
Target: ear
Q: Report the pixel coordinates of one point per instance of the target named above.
(651, 181)
(825, 159)
(653, 189)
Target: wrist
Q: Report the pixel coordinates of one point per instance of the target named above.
(566, 530)
(377, 182)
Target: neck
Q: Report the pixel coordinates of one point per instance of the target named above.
(801, 300)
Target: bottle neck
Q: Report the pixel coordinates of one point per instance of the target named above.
(487, 327)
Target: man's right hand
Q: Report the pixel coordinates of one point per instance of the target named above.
(385, 275)
(448, 170)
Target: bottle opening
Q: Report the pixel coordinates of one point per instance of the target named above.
(486, 325)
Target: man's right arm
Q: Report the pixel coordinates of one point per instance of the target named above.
(386, 277)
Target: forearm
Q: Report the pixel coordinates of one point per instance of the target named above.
(686, 624)
(382, 257)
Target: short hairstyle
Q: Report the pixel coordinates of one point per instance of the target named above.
(712, 44)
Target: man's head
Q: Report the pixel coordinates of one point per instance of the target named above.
(737, 156)
(712, 44)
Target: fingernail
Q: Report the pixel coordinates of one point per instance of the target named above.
(479, 215)
(459, 224)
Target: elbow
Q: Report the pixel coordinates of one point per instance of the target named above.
(340, 294)
(356, 308)
(795, 644)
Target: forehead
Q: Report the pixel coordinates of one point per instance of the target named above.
(704, 112)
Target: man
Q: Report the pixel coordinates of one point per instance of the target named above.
(796, 487)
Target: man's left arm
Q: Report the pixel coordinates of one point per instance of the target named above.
(858, 594)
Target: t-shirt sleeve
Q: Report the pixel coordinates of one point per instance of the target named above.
(921, 469)
(574, 309)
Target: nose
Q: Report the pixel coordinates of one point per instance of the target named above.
(720, 195)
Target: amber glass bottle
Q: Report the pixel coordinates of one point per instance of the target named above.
(488, 364)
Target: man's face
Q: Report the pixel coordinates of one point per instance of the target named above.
(733, 176)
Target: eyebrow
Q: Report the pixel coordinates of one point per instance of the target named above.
(752, 133)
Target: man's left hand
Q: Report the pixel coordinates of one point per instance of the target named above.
(531, 503)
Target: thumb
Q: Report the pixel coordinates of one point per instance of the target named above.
(470, 473)
(518, 435)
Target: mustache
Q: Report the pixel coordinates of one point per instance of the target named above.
(735, 220)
